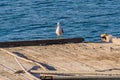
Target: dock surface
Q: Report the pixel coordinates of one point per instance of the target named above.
(72, 59)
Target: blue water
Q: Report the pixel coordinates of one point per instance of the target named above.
(36, 19)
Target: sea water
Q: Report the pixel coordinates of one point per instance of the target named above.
(37, 19)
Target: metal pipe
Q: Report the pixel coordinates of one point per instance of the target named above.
(76, 73)
(80, 78)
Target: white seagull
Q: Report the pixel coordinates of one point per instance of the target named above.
(59, 30)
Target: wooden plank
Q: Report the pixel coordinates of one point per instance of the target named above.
(40, 42)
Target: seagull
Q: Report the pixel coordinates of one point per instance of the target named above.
(59, 30)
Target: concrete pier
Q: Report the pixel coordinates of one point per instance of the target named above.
(68, 61)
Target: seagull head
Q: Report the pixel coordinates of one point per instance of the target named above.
(58, 23)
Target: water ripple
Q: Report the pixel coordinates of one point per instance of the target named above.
(36, 19)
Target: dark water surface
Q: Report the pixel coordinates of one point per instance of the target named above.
(36, 19)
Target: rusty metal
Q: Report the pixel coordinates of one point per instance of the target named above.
(40, 42)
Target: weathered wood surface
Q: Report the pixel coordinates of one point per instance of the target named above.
(40, 42)
(81, 60)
